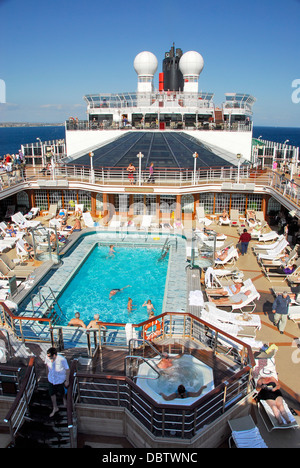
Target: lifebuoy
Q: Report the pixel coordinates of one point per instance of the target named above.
(152, 330)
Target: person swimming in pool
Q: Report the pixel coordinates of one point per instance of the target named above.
(150, 307)
(111, 252)
(130, 306)
(113, 292)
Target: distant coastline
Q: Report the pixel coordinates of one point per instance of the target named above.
(28, 124)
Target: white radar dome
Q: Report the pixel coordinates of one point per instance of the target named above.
(145, 63)
(191, 63)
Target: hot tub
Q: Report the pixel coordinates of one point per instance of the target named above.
(186, 370)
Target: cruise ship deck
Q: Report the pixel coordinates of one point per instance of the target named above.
(205, 163)
(112, 362)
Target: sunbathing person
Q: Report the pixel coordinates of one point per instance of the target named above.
(221, 255)
(29, 249)
(224, 216)
(238, 298)
(225, 290)
(76, 227)
(10, 230)
(269, 390)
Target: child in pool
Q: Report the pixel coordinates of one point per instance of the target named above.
(150, 307)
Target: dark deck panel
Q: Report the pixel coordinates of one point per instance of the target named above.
(164, 149)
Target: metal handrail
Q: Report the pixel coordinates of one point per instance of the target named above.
(16, 414)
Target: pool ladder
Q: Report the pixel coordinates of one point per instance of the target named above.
(165, 249)
(50, 311)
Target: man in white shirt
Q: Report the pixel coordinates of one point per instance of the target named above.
(58, 377)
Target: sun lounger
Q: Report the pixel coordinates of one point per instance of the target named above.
(14, 267)
(88, 220)
(245, 434)
(32, 213)
(201, 216)
(115, 223)
(146, 222)
(232, 256)
(4, 246)
(235, 218)
(5, 272)
(269, 419)
(274, 253)
(225, 222)
(268, 236)
(238, 319)
(263, 247)
(249, 304)
(22, 222)
(51, 213)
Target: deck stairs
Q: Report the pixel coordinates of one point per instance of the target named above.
(39, 430)
(219, 118)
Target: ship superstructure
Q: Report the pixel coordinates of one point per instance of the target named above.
(176, 105)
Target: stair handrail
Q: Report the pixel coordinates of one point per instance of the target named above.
(16, 414)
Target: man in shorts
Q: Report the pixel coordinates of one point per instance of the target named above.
(58, 377)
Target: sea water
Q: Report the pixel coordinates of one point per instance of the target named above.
(11, 138)
(138, 268)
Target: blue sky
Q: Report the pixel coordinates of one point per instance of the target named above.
(53, 53)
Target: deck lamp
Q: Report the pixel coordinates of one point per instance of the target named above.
(195, 156)
(91, 155)
(140, 156)
(239, 164)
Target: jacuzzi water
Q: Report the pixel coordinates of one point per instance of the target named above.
(88, 291)
(187, 370)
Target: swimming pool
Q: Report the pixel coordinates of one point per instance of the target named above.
(139, 268)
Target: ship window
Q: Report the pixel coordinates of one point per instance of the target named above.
(207, 201)
(238, 202)
(187, 203)
(254, 202)
(222, 202)
(41, 199)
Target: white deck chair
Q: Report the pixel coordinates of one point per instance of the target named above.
(294, 313)
(51, 213)
(32, 213)
(274, 253)
(115, 223)
(233, 317)
(4, 246)
(231, 257)
(259, 216)
(225, 222)
(88, 220)
(20, 250)
(249, 302)
(146, 221)
(79, 208)
(258, 247)
(201, 216)
(245, 434)
(235, 218)
(268, 236)
(22, 222)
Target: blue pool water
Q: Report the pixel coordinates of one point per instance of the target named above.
(88, 291)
